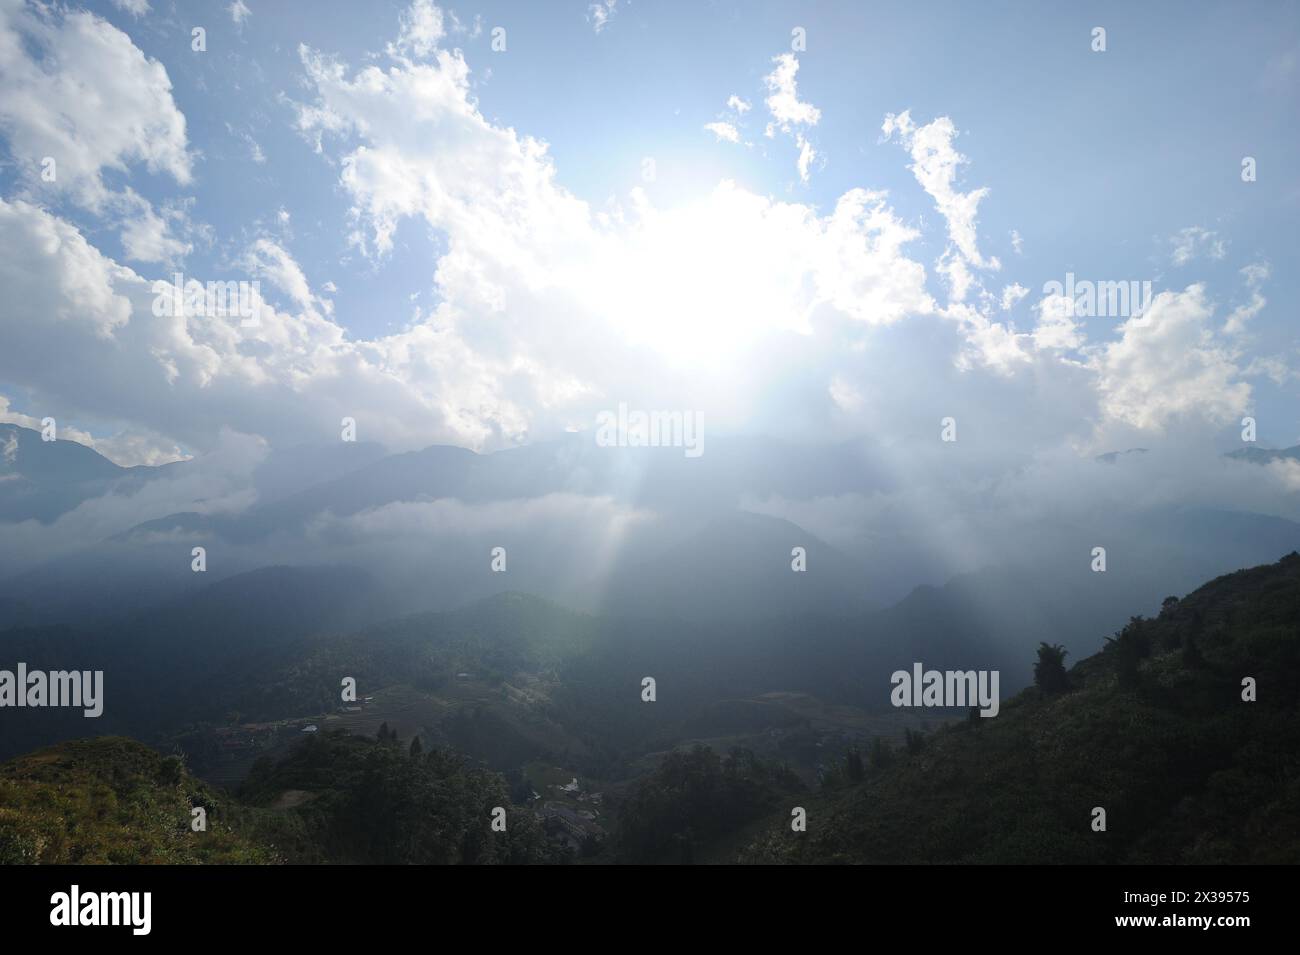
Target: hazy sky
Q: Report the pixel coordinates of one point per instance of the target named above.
(822, 222)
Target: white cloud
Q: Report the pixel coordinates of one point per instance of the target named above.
(789, 113)
(1286, 472)
(268, 260)
(239, 12)
(127, 448)
(10, 416)
(75, 88)
(725, 132)
(255, 152)
(121, 365)
(1056, 329)
(1012, 294)
(846, 395)
(1168, 366)
(474, 29)
(137, 8)
(784, 104)
(600, 14)
(1255, 275)
(1274, 368)
(957, 273)
(78, 290)
(1196, 242)
(147, 236)
(421, 28)
(548, 311)
(935, 163)
(806, 156)
(727, 127)
(753, 311)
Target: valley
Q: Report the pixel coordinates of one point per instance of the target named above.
(484, 685)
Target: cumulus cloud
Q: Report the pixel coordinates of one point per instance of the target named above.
(725, 132)
(421, 28)
(722, 271)
(763, 315)
(1012, 294)
(1169, 364)
(75, 88)
(119, 363)
(1056, 328)
(147, 236)
(783, 102)
(78, 100)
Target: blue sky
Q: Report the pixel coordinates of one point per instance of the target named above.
(1104, 164)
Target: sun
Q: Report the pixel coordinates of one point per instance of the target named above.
(703, 281)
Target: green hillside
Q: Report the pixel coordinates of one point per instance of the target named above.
(334, 799)
(1153, 729)
(354, 799)
(113, 800)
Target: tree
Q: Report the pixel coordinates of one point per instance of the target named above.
(882, 754)
(416, 748)
(171, 771)
(1130, 646)
(914, 741)
(1049, 671)
(383, 732)
(853, 764)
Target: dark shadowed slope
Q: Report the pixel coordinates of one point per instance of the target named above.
(1153, 729)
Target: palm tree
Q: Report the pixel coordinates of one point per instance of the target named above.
(1049, 671)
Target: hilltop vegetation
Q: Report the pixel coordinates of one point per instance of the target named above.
(1153, 729)
(113, 800)
(696, 797)
(360, 800)
(334, 799)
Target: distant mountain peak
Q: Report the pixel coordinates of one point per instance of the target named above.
(1265, 455)
(1111, 457)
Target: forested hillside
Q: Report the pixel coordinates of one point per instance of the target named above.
(1154, 730)
(1183, 730)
